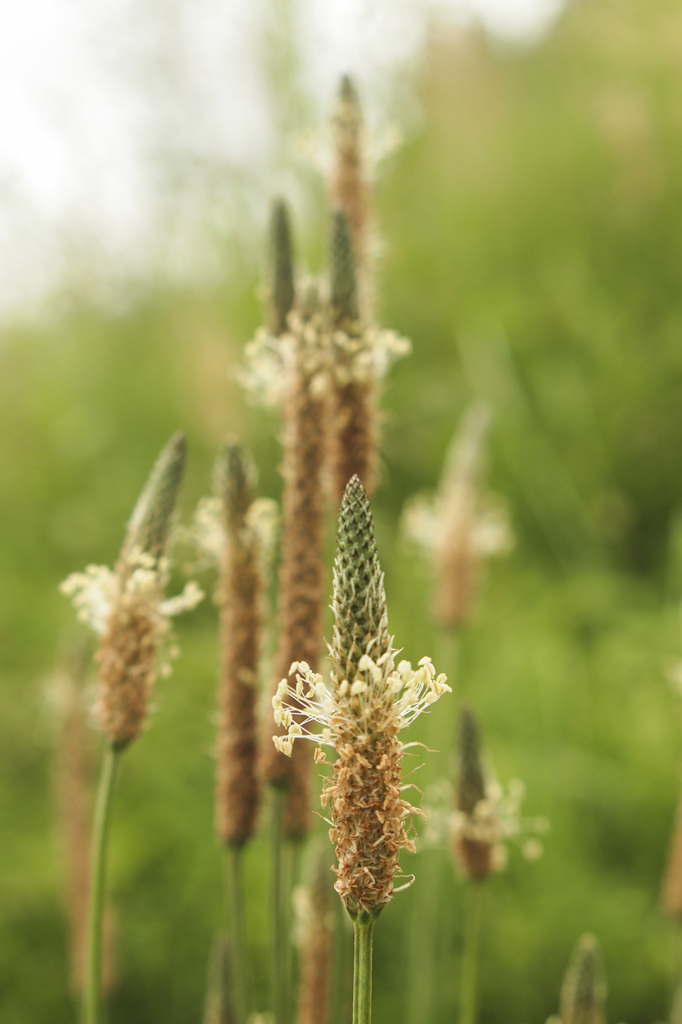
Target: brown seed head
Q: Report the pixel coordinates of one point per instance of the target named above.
(238, 791)
(301, 581)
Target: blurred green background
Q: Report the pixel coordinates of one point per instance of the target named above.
(533, 229)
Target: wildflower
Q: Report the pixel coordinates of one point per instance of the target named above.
(361, 715)
(583, 992)
(237, 791)
(460, 527)
(360, 356)
(125, 606)
(348, 185)
(487, 817)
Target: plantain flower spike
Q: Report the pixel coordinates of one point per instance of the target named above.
(583, 993)
(281, 269)
(126, 605)
(461, 526)
(487, 816)
(474, 854)
(238, 791)
(360, 356)
(361, 714)
(348, 183)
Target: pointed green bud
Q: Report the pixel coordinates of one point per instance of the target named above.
(471, 777)
(235, 483)
(359, 599)
(150, 523)
(583, 993)
(281, 268)
(343, 284)
(348, 94)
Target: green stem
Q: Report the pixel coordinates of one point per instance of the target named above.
(362, 970)
(98, 862)
(277, 887)
(237, 933)
(472, 938)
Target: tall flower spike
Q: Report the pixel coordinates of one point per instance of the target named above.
(237, 794)
(301, 582)
(348, 182)
(370, 701)
(583, 993)
(281, 269)
(126, 606)
(475, 855)
(352, 398)
(460, 527)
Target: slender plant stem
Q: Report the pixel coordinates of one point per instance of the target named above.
(362, 970)
(98, 862)
(277, 890)
(472, 940)
(237, 933)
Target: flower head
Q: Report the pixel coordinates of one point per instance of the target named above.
(460, 527)
(126, 607)
(361, 713)
(486, 816)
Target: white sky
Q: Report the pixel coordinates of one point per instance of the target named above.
(118, 116)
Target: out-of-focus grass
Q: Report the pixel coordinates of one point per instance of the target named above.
(533, 232)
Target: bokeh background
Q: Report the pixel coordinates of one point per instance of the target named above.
(530, 211)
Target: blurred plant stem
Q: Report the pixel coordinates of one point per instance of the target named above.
(423, 938)
(278, 894)
(468, 984)
(100, 831)
(237, 933)
(362, 970)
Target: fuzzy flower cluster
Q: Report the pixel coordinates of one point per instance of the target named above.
(381, 698)
(460, 526)
(126, 608)
(365, 355)
(496, 820)
(206, 533)
(362, 355)
(272, 363)
(138, 582)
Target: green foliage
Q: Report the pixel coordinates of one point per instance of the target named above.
(533, 256)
